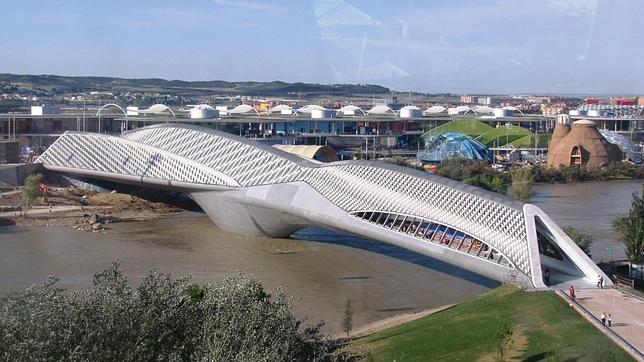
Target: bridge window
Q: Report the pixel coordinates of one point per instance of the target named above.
(436, 233)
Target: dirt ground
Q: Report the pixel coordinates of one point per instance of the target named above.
(83, 209)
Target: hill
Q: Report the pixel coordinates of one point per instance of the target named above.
(67, 84)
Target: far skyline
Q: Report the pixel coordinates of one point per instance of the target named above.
(465, 46)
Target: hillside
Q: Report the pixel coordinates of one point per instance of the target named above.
(66, 84)
(542, 327)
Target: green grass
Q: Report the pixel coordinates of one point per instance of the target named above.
(503, 135)
(470, 127)
(544, 327)
(490, 136)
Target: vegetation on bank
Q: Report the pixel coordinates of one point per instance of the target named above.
(480, 173)
(31, 191)
(164, 318)
(583, 241)
(505, 322)
(631, 230)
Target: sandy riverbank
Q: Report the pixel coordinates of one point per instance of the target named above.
(83, 209)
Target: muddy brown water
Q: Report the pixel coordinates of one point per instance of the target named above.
(320, 268)
(591, 208)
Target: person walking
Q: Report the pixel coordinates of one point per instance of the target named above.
(603, 318)
(571, 291)
(547, 277)
(610, 320)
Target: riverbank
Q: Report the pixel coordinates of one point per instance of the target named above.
(539, 325)
(81, 209)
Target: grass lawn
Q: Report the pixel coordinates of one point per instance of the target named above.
(543, 328)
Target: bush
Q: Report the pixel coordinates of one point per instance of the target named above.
(573, 173)
(583, 241)
(476, 173)
(165, 318)
(31, 191)
(522, 182)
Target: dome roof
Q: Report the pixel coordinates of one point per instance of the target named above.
(453, 145)
(583, 146)
(435, 109)
(350, 110)
(281, 108)
(158, 109)
(243, 108)
(310, 108)
(380, 110)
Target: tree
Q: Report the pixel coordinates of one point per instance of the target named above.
(31, 191)
(347, 319)
(522, 182)
(583, 241)
(164, 318)
(631, 230)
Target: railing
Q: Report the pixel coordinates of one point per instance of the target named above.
(436, 233)
(629, 348)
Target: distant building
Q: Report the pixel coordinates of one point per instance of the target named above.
(553, 109)
(622, 101)
(469, 99)
(43, 110)
(498, 100)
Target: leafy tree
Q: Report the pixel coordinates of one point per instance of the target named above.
(631, 229)
(31, 191)
(583, 241)
(164, 318)
(347, 319)
(522, 183)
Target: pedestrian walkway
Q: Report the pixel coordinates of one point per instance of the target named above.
(627, 312)
(44, 210)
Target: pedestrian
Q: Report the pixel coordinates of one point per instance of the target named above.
(547, 277)
(571, 291)
(603, 318)
(599, 278)
(610, 320)
(601, 282)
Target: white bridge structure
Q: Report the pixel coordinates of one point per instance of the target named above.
(251, 188)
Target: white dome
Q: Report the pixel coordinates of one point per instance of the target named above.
(309, 108)
(380, 110)
(435, 109)
(349, 111)
(243, 108)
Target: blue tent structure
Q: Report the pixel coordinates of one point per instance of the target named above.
(453, 145)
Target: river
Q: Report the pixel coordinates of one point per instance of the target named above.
(319, 268)
(590, 207)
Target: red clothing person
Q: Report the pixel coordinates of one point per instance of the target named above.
(571, 290)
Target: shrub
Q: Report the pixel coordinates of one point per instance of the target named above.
(522, 182)
(31, 191)
(164, 318)
(583, 241)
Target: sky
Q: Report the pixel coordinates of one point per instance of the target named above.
(462, 46)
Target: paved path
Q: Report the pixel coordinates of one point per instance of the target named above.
(627, 312)
(42, 210)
